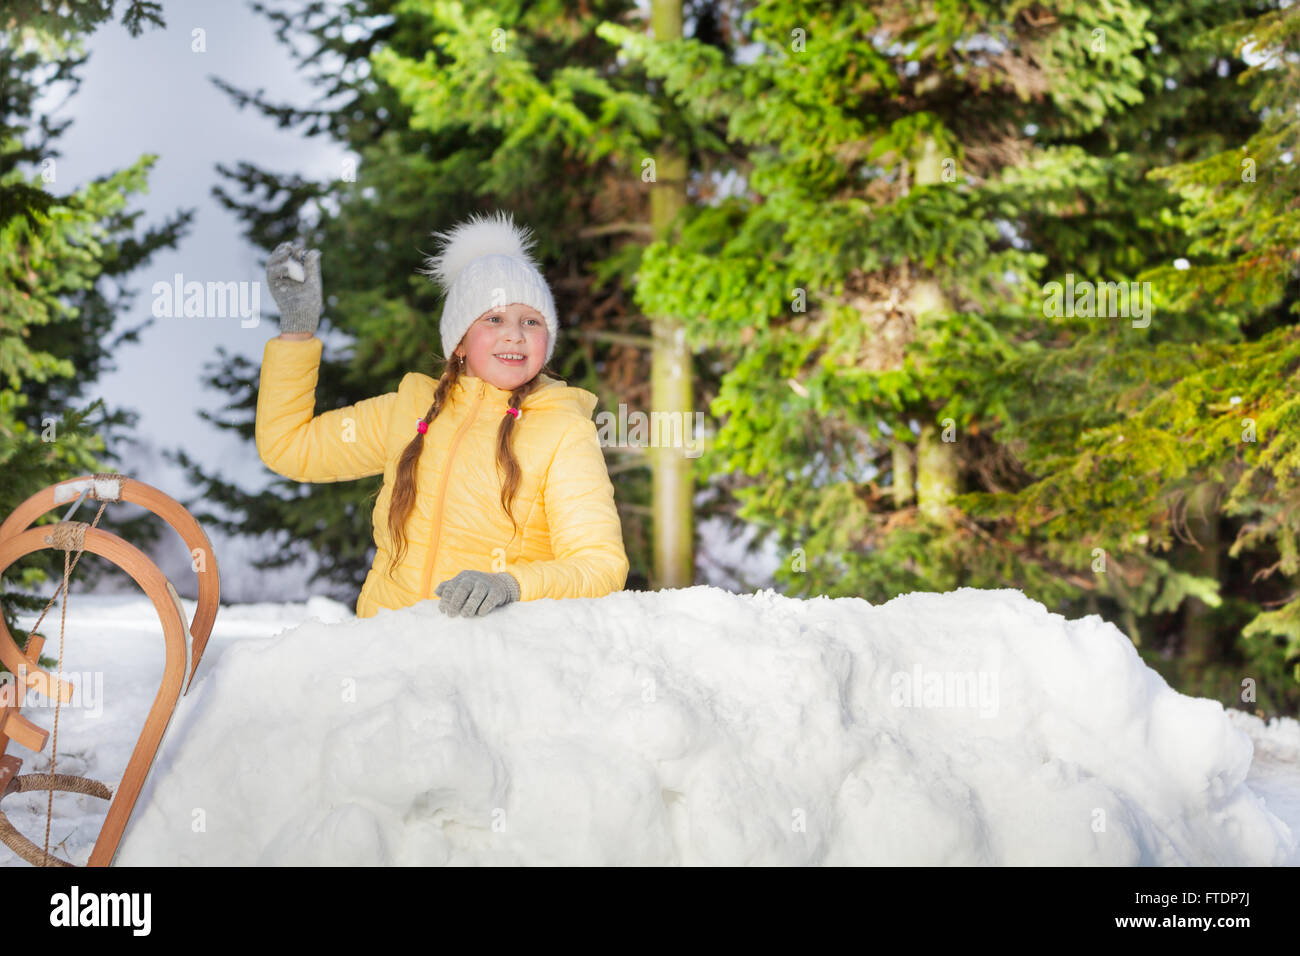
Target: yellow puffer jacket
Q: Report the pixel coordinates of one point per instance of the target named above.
(569, 542)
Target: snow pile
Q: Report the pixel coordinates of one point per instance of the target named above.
(702, 727)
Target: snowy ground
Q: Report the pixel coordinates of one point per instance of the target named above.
(693, 726)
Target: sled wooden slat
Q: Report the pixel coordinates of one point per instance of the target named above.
(58, 496)
(9, 767)
(14, 726)
(32, 675)
(8, 708)
(146, 574)
(25, 733)
(35, 644)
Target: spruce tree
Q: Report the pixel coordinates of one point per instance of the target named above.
(864, 308)
(1192, 458)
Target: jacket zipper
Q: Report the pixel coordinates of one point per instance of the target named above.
(436, 534)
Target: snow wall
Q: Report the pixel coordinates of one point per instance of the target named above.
(697, 726)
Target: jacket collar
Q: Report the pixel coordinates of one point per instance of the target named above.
(474, 387)
(550, 393)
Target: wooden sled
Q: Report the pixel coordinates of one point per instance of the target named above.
(184, 647)
(121, 488)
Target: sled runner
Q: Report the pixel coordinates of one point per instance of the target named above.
(184, 647)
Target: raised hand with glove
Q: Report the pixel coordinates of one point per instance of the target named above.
(475, 593)
(293, 275)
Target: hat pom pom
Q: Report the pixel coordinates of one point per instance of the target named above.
(477, 236)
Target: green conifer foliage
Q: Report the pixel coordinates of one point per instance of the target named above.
(56, 318)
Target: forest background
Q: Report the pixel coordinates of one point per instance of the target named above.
(969, 294)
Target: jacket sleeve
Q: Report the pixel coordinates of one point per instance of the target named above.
(338, 445)
(586, 536)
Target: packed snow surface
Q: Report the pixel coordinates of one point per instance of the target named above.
(693, 726)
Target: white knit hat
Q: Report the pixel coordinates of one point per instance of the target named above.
(483, 265)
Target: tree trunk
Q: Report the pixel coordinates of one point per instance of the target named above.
(936, 473)
(672, 377)
(936, 460)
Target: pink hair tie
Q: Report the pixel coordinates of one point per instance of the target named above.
(421, 426)
(515, 412)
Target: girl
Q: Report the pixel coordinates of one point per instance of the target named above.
(495, 487)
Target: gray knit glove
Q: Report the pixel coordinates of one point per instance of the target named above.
(475, 593)
(299, 302)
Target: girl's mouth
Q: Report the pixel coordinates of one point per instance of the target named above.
(510, 361)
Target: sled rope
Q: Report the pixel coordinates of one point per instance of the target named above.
(67, 782)
(66, 536)
(24, 847)
(58, 698)
(60, 535)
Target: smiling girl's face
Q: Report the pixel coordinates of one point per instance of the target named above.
(514, 329)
